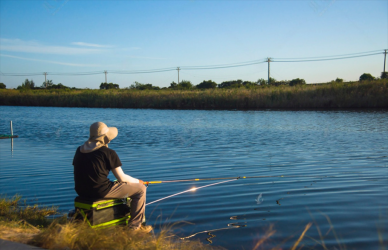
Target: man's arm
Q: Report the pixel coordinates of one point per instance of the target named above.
(121, 177)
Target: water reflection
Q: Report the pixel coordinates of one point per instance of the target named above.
(259, 199)
(336, 163)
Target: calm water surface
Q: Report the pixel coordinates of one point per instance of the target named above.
(337, 161)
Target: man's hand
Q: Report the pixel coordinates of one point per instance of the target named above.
(141, 182)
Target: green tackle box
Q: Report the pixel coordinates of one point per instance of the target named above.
(102, 212)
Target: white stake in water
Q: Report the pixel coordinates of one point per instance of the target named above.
(11, 137)
(191, 189)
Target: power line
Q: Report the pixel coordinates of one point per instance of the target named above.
(318, 57)
(208, 67)
(326, 59)
(224, 66)
(143, 71)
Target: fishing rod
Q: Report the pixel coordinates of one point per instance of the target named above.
(239, 177)
(189, 190)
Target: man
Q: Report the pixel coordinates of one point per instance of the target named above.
(92, 163)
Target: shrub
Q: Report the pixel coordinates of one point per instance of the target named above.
(140, 86)
(231, 84)
(173, 85)
(366, 77)
(272, 81)
(261, 81)
(110, 85)
(339, 80)
(185, 85)
(384, 75)
(297, 81)
(207, 85)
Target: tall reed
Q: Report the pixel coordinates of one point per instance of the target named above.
(368, 94)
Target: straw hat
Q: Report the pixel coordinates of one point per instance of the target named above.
(100, 135)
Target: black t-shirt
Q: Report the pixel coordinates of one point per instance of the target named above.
(91, 171)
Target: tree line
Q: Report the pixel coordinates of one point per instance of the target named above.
(209, 84)
(185, 84)
(30, 84)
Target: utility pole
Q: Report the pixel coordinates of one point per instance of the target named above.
(45, 80)
(268, 60)
(106, 72)
(385, 58)
(178, 73)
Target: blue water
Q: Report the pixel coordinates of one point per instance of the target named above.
(334, 164)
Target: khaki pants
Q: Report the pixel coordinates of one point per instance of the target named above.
(137, 193)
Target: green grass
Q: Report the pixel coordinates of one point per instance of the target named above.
(368, 94)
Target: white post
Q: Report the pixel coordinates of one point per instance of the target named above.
(11, 129)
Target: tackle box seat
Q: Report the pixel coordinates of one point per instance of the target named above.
(102, 212)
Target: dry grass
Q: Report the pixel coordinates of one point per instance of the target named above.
(63, 234)
(80, 236)
(29, 224)
(15, 210)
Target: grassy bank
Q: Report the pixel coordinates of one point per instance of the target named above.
(29, 225)
(367, 94)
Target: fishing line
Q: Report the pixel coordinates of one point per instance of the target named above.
(191, 189)
(241, 177)
(230, 226)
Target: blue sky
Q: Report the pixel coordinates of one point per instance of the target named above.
(69, 36)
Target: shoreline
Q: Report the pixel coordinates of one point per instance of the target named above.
(330, 96)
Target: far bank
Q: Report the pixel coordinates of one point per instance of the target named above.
(367, 94)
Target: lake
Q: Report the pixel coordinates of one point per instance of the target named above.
(334, 166)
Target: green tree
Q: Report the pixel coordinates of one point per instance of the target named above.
(261, 81)
(207, 85)
(103, 85)
(141, 86)
(27, 84)
(339, 80)
(185, 85)
(282, 82)
(272, 81)
(2, 85)
(384, 75)
(366, 77)
(58, 86)
(249, 84)
(297, 81)
(49, 84)
(173, 85)
(231, 84)
(110, 85)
